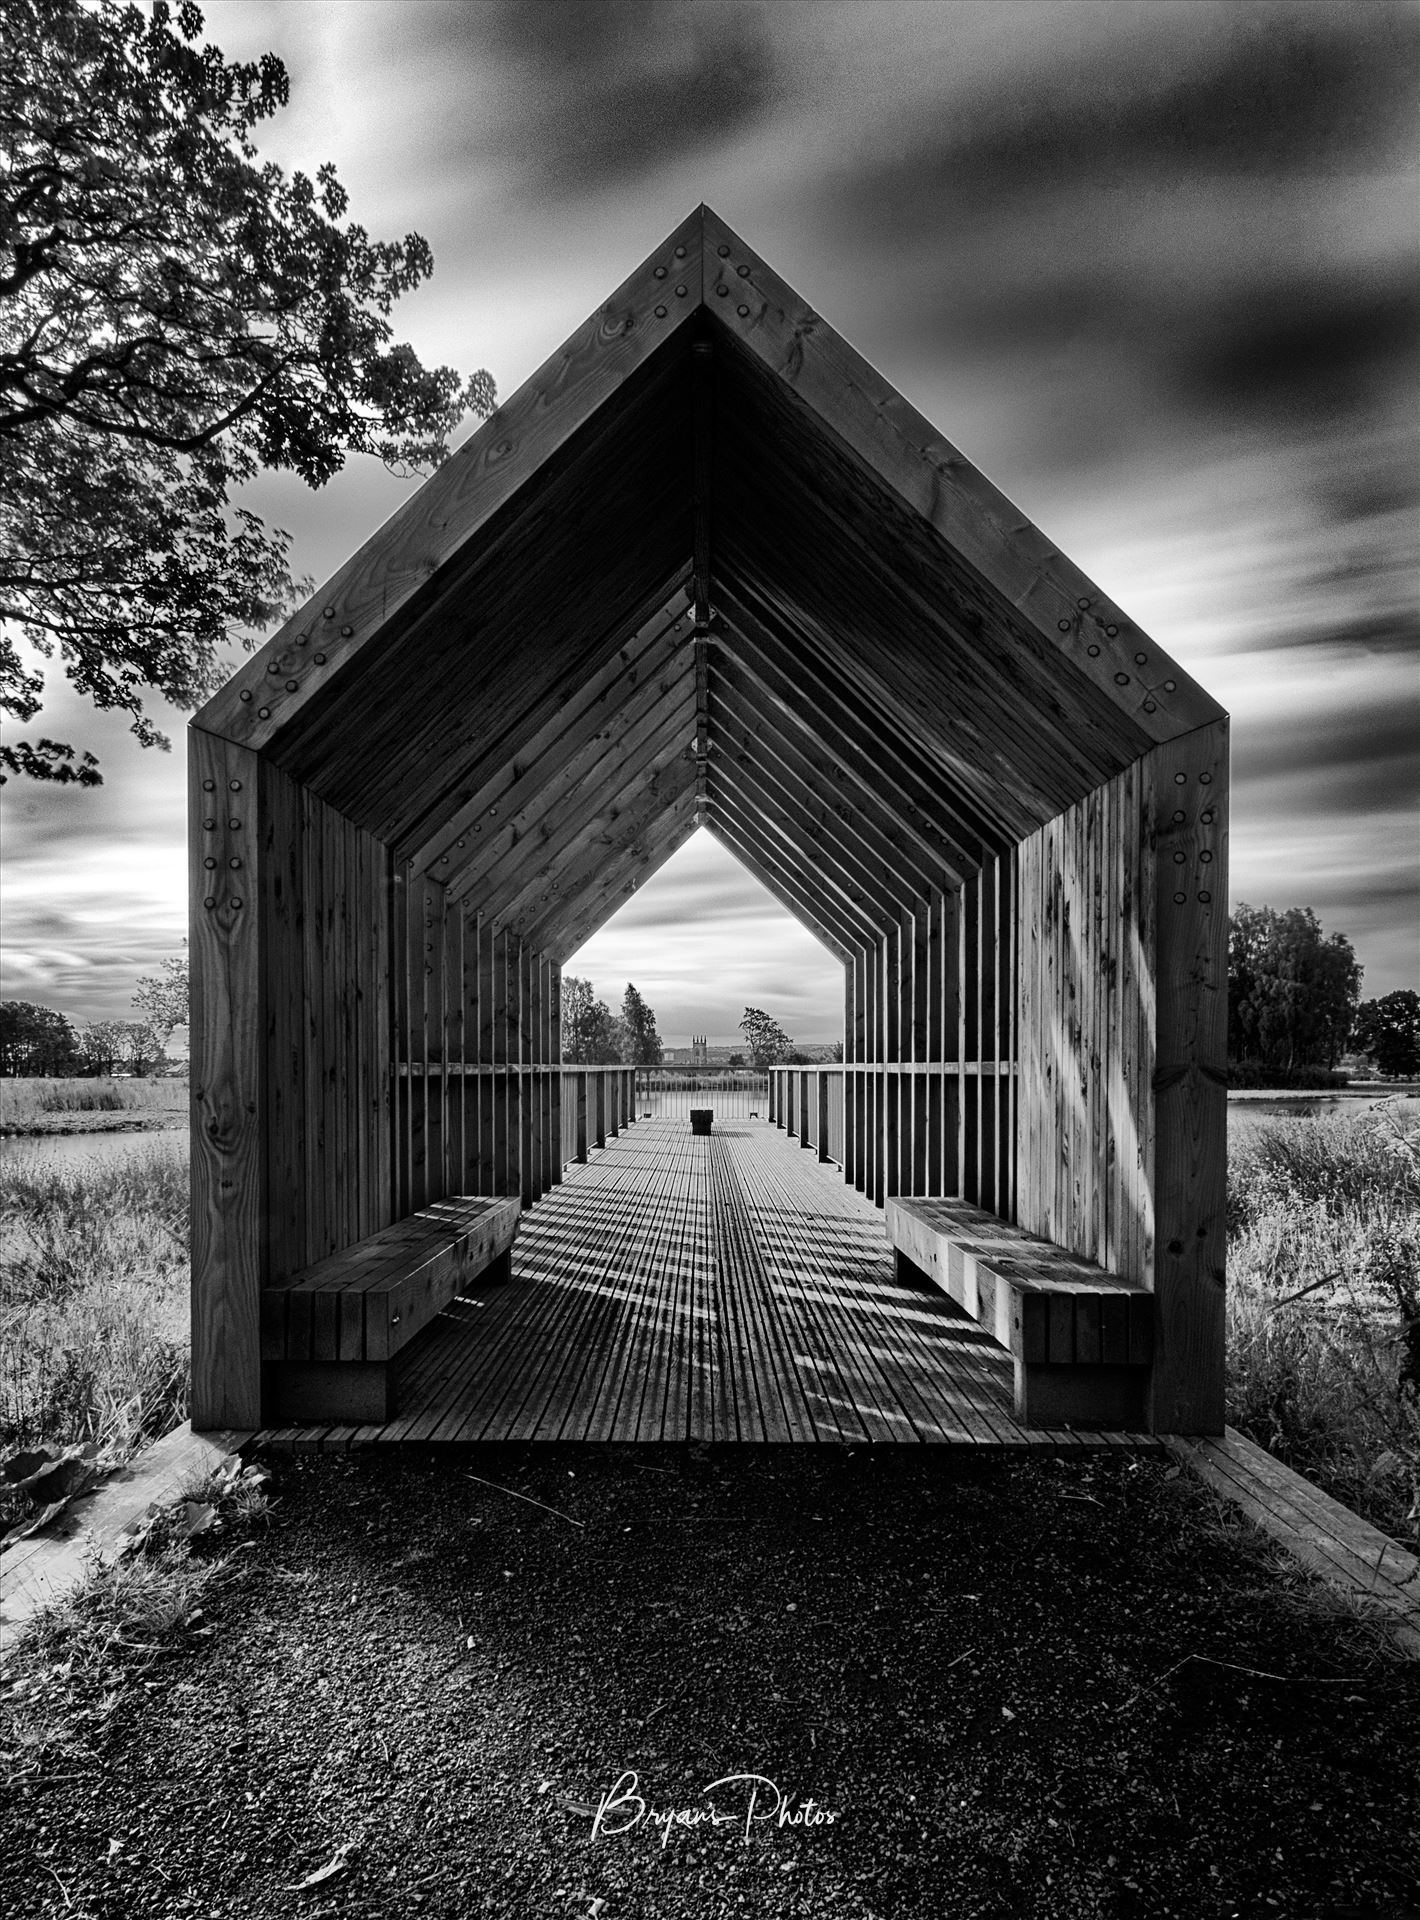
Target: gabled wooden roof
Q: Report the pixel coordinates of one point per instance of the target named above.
(705, 568)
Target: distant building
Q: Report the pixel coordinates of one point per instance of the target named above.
(703, 1052)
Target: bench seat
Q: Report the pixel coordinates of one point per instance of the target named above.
(1082, 1339)
(330, 1333)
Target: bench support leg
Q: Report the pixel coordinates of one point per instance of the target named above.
(1080, 1396)
(344, 1392)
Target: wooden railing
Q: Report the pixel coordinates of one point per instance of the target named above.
(597, 1102)
(734, 1093)
(907, 1127)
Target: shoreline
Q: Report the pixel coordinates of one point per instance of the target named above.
(66, 1124)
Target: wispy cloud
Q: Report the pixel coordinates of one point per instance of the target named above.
(1151, 263)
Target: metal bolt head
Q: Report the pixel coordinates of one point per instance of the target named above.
(245, 694)
(290, 686)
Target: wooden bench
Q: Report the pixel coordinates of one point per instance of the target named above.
(330, 1333)
(1082, 1339)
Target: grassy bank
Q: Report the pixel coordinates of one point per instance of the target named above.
(93, 1301)
(1324, 1305)
(90, 1106)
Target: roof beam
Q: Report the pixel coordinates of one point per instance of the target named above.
(541, 812)
(909, 456)
(552, 731)
(392, 571)
(915, 794)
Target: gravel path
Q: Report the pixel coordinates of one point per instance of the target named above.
(970, 1688)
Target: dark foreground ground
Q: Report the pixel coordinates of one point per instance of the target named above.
(1016, 1690)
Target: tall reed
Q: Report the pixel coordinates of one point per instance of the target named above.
(93, 1300)
(1324, 1305)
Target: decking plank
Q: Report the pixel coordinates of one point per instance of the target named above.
(678, 1288)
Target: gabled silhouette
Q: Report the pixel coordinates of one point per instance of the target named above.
(706, 568)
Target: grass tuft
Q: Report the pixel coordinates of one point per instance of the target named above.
(25, 1102)
(1324, 1306)
(137, 1605)
(93, 1302)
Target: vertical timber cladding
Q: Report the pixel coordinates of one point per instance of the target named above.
(1122, 1020)
(326, 965)
(473, 1032)
(228, 1081)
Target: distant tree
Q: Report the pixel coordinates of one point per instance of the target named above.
(641, 1044)
(736, 1060)
(767, 1040)
(591, 1035)
(1292, 992)
(36, 1041)
(175, 316)
(835, 1052)
(140, 1048)
(163, 998)
(1389, 1031)
(101, 1046)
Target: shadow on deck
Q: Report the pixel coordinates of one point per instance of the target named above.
(726, 1290)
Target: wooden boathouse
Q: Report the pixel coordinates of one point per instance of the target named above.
(707, 569)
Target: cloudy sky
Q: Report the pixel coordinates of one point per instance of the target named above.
(1151, 266)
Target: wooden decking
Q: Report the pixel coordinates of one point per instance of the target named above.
(727, 1289)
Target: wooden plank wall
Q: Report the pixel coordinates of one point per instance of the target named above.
(1122, 1132)
(928, 1076)
(326, 980)
(228, 1081)
(475, 1040)
(1085, 1147)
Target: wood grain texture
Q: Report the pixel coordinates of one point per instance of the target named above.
(229, 1081)
(725, 1289)
(467, 490)
(1067, 612)
(1189, 832)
